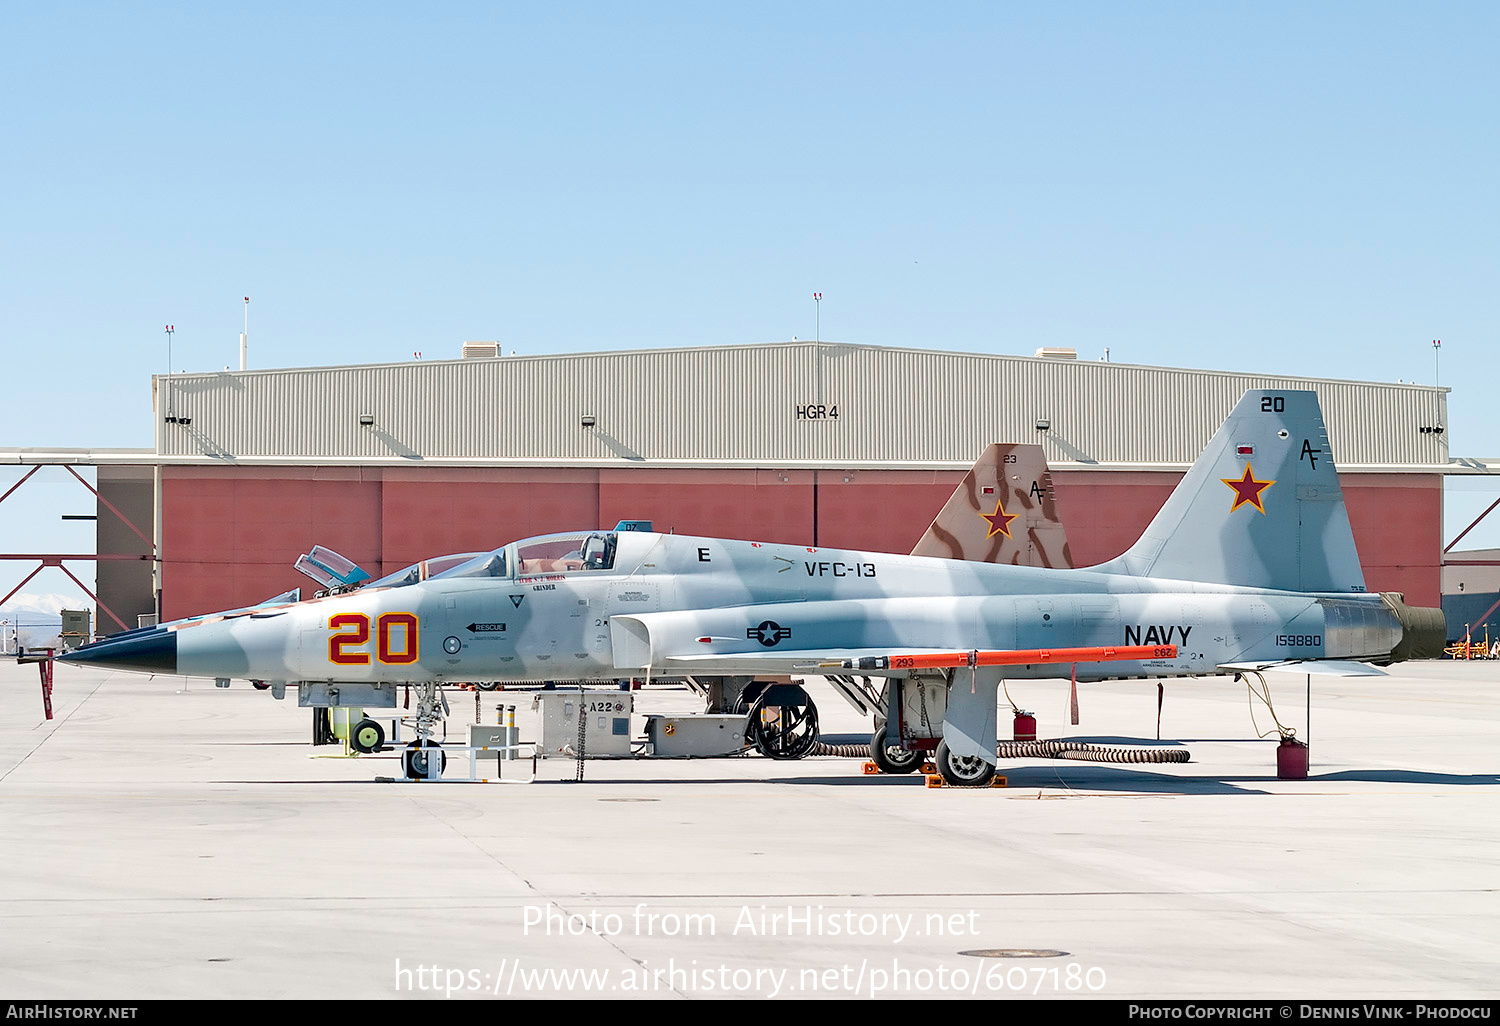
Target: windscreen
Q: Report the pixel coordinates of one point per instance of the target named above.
(486, 564)
(399, 579)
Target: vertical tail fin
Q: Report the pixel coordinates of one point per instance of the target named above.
(1261, 507)
(1002, 512)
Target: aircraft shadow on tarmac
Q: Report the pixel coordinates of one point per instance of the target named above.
(1056, 775)
(1396, 776)
(1042, 774)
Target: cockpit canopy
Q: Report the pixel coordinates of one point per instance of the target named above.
(548, 554)
(418, 572)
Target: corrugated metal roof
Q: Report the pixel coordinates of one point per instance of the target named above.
(767, 405)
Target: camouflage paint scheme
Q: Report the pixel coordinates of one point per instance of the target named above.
(1002, 512)
(1250, 562)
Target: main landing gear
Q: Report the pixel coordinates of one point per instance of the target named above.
(892, 758)
(963, 770)
(919, 711)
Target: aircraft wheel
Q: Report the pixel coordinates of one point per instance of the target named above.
(963, 771)
(368, 737)
(415, 760)
(892, 758)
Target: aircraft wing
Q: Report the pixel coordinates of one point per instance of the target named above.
(699, 643)
(1325, 667)
(898, 662)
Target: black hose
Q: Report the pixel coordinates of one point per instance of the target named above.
(1076, 751)
(841, 751)
(1080, 752)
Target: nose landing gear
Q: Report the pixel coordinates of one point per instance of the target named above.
(417, 761)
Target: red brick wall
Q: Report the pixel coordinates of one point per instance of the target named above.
(880, 510)
(231, 534)
(763, 505)
(427, 513)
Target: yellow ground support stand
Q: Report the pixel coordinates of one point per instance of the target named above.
(1469, 648)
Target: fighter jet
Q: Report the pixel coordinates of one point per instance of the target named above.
(1250, 563)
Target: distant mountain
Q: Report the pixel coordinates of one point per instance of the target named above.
(27, 607)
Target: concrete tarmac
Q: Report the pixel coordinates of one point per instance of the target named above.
(166, 839)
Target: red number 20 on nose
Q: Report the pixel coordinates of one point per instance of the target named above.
(354, 631)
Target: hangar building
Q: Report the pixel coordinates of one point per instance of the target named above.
(810, 443)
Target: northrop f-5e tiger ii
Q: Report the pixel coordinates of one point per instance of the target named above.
(1250, 563)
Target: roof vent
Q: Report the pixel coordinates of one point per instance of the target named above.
(481, 350)
(1057, 353)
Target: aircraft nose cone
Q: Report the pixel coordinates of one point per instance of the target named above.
(151, 651)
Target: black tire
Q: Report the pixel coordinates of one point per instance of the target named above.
(968, 771)
(892, 759)
(367, 737)
(794, 732)
(414, 761)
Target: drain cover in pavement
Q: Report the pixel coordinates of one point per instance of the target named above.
(1014, 953)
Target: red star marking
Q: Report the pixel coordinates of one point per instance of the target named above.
(1247, 489)
(999, 520)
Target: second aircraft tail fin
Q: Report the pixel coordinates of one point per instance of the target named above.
(1002, 512)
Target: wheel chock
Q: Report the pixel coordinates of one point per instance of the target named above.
(936, 780)
(871, 770)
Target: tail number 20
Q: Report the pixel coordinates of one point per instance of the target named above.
(354, 631)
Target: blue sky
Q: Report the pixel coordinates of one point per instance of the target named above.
(1287, 188)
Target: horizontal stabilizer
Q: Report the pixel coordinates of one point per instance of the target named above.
(1323, 667)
